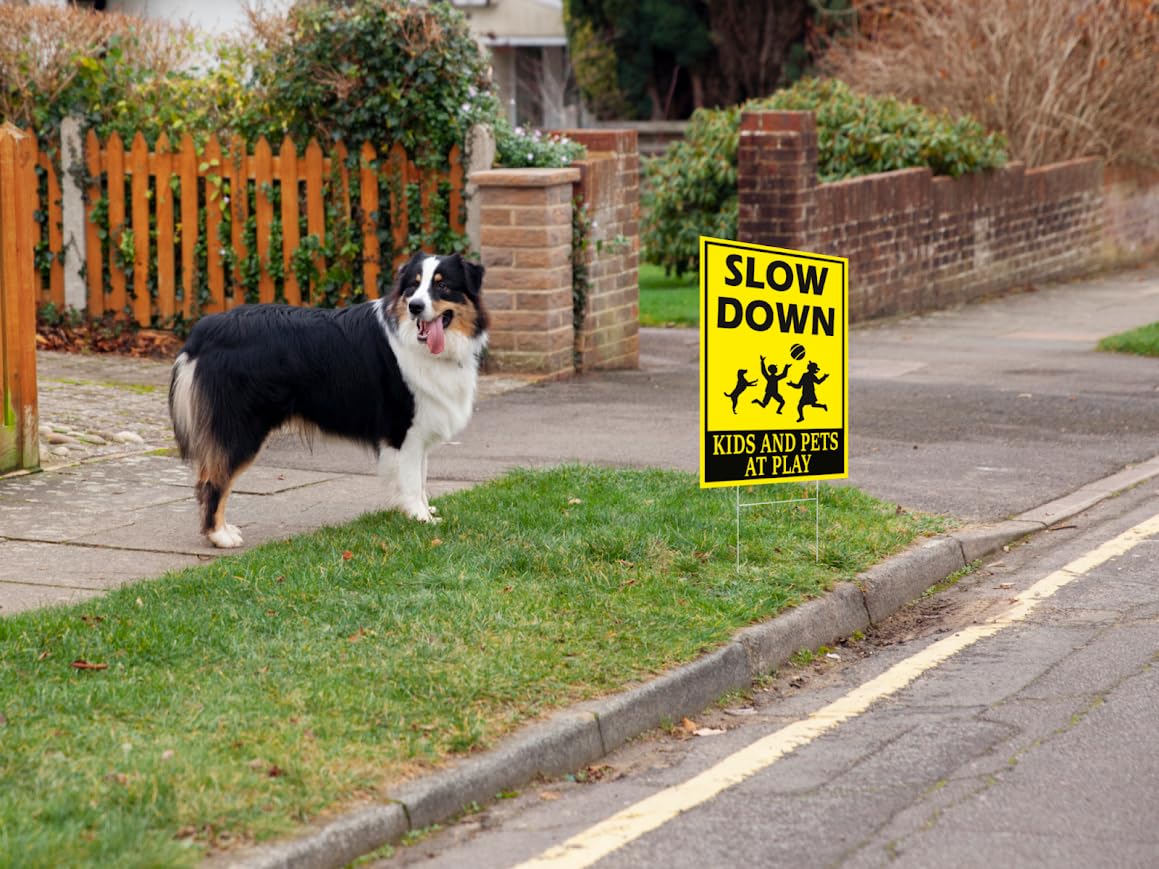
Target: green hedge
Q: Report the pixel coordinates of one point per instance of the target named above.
(691, 189)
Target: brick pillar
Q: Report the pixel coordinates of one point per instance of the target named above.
(777, 178)
(610, 190)
(525, 242)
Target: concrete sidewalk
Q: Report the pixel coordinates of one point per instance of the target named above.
(981, 413)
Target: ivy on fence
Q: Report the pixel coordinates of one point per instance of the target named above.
(176, 232)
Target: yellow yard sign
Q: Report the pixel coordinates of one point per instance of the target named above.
(774, 364)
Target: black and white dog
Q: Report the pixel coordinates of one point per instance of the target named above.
(397, 374)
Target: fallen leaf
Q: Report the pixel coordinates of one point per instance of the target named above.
(81, 664)
(550, 795)
(347, 555)
(571, 502)
(437, 541)
(43, 655)
(1005, 585)
(356, 636)
(689, 726)
(92, 621)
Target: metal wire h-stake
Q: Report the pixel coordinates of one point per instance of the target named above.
(816, 499)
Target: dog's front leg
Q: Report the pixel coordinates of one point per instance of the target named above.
(412, 479)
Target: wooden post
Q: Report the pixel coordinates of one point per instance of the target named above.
(19, 445)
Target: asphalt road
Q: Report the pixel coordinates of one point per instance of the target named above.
(1034, 745)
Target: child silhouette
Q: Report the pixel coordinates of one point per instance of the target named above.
(741, 386)
(772, 381)
(808, 385)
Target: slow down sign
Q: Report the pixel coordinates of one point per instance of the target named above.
(774, 364)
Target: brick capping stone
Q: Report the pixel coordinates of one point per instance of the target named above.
(524, 177)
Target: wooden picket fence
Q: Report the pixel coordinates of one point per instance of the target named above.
(166, 228)
(19, 446)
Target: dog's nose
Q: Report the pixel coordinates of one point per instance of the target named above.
(416, 307)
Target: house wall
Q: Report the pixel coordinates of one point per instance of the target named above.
(215, 16)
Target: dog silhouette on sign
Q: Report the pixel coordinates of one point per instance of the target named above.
(741, 385)
(772, 381)
(808, 383)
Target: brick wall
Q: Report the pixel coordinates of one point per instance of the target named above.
(914, 241)
(609, 189)
(525, 239)
(1130, 214)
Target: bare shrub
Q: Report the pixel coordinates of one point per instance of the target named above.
(1061, 78)
(41, 48)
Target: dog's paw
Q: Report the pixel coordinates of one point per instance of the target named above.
(420, 513)
(226, 537)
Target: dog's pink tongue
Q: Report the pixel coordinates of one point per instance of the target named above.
(436, 340)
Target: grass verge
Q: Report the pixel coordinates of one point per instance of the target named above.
(1143, 341)
(668, 300)
(228, 703)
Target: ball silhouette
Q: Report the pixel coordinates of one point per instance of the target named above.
(797, 352)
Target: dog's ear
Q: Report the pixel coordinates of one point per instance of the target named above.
(401, 271)
(473, 273)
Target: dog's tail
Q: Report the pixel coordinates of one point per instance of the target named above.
(183, 406)
(192, 423)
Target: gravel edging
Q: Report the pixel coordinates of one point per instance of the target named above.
(577, 737)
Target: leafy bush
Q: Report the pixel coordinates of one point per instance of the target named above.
(691, 189)
(371, 70)
(518, 147)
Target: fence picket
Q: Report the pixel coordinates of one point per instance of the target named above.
(139, 184)
(288, 157)
(368, 208)
(54, 238)
(455, 203)
(187, 233)
(163, 198)
(315, 211)
(399, 209)
(94, 260)
(264, 215)
(238, 212)
(215, 203)
(115, 168)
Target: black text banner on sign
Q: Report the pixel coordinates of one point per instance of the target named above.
(774, 364)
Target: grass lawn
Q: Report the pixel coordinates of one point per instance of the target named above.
(668, 301)
(1143, 341)
(230, 702)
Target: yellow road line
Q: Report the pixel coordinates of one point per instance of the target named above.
(613, 833)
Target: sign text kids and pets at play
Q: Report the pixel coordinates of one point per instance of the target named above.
(774, 364)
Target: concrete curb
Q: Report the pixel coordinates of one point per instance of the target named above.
(577, 737)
